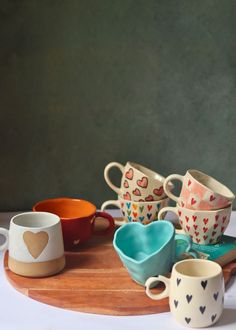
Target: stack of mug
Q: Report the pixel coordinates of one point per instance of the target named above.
(141, 194)
(203, 207)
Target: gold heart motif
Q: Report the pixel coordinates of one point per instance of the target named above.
(35, 242)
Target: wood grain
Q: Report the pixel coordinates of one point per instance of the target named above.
(94, 281)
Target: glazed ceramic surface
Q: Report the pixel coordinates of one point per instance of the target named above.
(143, 212)
(33, 238)
(138, 183)
(204, 227)
(148, 250)
(199, 191)
(77, 218)
(195, 290)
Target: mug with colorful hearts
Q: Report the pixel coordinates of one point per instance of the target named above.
(35, 244)
(195, 291)
(199, 191)
(138, 183)
(78, 218)
(143, 212)
(204, 227)
(149, 250)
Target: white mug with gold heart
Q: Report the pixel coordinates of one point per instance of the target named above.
(35, 244)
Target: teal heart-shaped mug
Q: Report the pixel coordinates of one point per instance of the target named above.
(150, 250)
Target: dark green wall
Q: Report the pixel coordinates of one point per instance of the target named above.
(83, 83)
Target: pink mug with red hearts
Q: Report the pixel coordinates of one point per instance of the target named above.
(199, 191)
(204, 227)
(138, 183)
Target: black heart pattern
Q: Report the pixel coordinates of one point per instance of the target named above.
(189, 298)
(202, 309)
(213, 317)
(178, 281)
(176, 303)
(187, 319)
(215, 295)
(204, 284)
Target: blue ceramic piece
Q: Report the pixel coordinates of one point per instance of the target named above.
(149, 250)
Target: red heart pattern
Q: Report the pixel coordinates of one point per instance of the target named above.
(149, 207)
(204, 230)
(212, 198)
(193, 201)
(126, 184)
(149, 198)
(189, 182)
(129, 174)
(143, 182)
(136, 192)
(127, 196)
(205, 220)
(158, 191)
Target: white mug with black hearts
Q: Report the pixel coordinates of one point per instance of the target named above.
(35, 244)
(195, 291)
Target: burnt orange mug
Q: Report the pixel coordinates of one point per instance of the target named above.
(78, 218)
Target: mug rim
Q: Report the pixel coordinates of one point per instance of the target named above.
(227, 208)
(138, 167)
(145, 202)
(210, 262)
(54, 219)
(231, 195)
(139, 224)
(66, 199)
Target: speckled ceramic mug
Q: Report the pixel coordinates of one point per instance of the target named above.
(195, 291)
(35, 244)
(199, 191)
(138, 183)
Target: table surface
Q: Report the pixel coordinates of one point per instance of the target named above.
(20, 312)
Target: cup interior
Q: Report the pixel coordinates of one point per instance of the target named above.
(211, 184)
(198, 268)
(66, 208)
(149, 173)
(35, 220)
(138, 242)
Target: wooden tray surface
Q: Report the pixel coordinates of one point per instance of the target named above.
(94, 281)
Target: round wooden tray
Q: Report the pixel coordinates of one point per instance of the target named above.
(94, 281)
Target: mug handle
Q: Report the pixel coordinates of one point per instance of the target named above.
(115, 203)
(153, 280)
(107, 231)
(107, 178)
(185, 238)
(5, 233)
(170, 209)
(167, 185)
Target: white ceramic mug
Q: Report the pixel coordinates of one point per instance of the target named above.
(199, 191)
(195, 291)
(204, 227)
(35, 244)
(138, 183)
(143, 212)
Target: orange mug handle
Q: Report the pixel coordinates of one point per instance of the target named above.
(107, 231)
